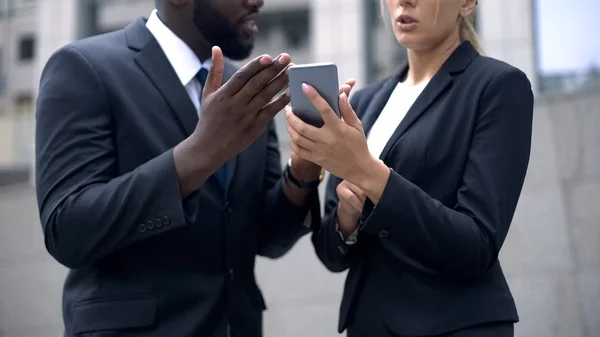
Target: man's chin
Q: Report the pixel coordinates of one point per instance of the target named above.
(239, 52)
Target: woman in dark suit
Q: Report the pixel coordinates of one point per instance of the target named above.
(427, 168)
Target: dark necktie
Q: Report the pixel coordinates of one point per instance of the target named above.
(221, 174)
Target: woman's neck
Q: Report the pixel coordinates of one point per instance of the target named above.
(424, 64)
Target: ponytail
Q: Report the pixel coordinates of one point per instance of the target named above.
(467, 32)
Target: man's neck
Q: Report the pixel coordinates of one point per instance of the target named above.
(189, 35)
(423, 65)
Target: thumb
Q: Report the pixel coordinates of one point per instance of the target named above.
(358, 192)
(214, 80)
(347, 113)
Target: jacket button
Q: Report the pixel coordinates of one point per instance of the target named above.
(384, 234)
(231, 274)
(228, 208)
(142, 228)
(150, 225)
(165, 220)
(158, 223)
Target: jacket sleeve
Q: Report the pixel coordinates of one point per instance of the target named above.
(86, 209)
(333, 252)
(282, 223)
(464, 241)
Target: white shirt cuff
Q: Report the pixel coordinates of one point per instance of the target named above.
(351, 239)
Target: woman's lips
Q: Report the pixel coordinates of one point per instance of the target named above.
(406, 22)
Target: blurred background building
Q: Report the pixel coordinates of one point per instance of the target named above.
(552, 254)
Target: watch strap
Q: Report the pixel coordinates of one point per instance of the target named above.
(287, 175)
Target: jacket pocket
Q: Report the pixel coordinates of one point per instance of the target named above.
(114, 314)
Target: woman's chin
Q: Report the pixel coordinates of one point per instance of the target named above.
(408, 40)
(412, 42)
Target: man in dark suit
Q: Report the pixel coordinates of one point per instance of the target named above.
(158, 184)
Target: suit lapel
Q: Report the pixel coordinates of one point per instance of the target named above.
(156, 66)
(442, 80)
(431, 92)
(152, 60)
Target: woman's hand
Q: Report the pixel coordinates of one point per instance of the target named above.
(336, 144)
(339, 146)
(307, 170)
(351, 202)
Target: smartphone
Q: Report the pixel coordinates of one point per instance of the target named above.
(321, 76)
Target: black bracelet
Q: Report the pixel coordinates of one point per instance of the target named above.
(287, 175)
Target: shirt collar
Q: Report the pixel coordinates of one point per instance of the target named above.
(183, 60)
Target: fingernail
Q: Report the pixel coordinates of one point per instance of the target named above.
(280, 59)
(344, 97)
(265, 60)
(305, 87)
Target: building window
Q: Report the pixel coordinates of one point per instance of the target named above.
(23, 104)
(567, 45)
(26, 48)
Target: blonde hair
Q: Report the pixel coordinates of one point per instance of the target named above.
(466, 30)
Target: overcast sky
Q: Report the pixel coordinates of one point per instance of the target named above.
(568, 34)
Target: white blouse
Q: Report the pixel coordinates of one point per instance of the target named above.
(400, 101)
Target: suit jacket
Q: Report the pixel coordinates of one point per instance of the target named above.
(426, 260)
(143, 261)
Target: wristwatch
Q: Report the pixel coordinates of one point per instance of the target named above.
(287, 175)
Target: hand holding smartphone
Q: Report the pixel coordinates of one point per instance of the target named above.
(321, 76)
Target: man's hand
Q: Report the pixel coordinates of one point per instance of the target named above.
(234, 115)
(351, 202)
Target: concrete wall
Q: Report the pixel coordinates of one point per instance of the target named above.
(15, 122)
(551, 256)
(21, 75)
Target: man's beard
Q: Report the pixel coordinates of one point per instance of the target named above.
(216, 29)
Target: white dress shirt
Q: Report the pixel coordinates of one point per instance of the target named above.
(181, 57)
